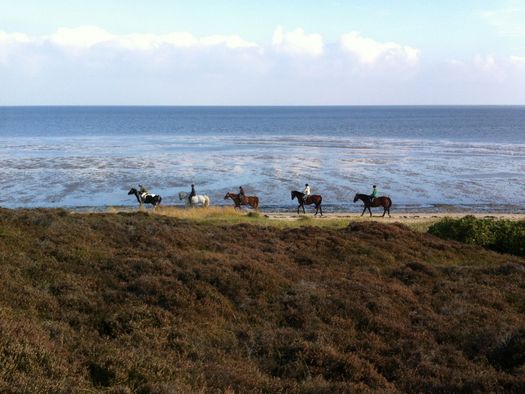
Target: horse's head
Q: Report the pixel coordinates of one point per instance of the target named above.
(356, 197)
(227, 196)
(182, 195)
(293, 195)
(132, 191)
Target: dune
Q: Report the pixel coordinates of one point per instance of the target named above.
(137, 302)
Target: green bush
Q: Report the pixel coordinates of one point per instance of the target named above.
(503, 236)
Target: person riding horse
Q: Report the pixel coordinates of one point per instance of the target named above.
(373, 195)
(192, 193)
(143, 192)
(307, 192)
(241, 194)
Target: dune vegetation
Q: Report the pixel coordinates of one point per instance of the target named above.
(505, 236)
(137, 302)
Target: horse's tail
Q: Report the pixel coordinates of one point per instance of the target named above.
(389, 202)
(206, 201)
(256, 200)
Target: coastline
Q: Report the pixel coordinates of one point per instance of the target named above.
(401, 216)
(419, 221)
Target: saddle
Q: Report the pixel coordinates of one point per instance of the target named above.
(146, 195)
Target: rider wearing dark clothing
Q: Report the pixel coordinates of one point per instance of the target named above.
(241, 194)
(192, 193)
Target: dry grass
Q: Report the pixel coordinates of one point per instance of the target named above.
(134, 302)
(231, 216)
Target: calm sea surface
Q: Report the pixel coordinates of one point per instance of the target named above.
(424, 158)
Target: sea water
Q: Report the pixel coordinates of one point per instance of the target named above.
(424, 158)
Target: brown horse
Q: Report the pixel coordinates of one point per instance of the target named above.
(382, 201)
(313, 199)
(252, 201)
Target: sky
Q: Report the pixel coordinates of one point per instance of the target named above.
(230, 52)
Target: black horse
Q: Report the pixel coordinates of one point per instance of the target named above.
(153, 199)
(382, 201)
(313, 199)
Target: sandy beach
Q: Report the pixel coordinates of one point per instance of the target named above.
(401, 217)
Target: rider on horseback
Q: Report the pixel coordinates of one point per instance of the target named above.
(373, 195)
(306, 192)
(192, 194)
(241, 194)
(143, 192)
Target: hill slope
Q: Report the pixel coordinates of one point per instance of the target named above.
(137, 302)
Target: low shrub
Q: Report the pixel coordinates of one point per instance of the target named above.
(502, 236)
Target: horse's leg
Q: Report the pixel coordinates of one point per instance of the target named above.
(321, 209)
(364, 209)
(369, 210)
(384, 212)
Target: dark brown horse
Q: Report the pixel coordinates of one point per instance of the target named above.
(382, 201)
(252, 201)
(313, 199)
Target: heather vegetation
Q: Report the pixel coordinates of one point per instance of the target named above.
(135, 302)
(503, 236)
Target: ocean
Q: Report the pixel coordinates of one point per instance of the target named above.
(425, 158)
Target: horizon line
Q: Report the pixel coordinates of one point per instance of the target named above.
(257, 105)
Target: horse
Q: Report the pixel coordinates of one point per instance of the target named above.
(382, 201)
(252, 201)
(312, 199)
(153, 199)
(201, 199)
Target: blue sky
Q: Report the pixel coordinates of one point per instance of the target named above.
(254, 52)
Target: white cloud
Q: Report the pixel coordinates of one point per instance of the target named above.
(297, 42)
(9, 42)
(86, 37)
(80, 37)
(508, 68)
(518, 61)
(232, 42)
(486, 63)
(13, 38)
(369, 51)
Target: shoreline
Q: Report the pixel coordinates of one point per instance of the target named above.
(291, 214)
(400, 217)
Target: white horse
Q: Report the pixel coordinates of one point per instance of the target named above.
(201, 199)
